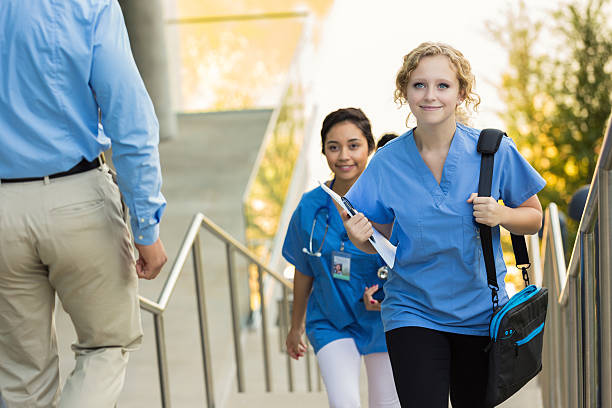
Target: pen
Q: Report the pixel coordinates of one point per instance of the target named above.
(349, 207)
(352, 211)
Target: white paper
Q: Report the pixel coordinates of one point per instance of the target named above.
(381, 244)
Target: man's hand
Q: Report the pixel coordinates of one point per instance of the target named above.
(151, 259)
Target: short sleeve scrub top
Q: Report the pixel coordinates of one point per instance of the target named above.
(317, 245)
(439, 279)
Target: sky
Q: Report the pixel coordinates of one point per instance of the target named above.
(361, 50)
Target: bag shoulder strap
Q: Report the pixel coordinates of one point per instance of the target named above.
(488, 144)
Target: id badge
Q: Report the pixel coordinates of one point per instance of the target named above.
(341, 265)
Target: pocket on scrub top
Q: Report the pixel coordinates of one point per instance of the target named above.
(442, 234)
(411, 247)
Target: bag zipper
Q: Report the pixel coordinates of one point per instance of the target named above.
(531, 335)
(519, 298)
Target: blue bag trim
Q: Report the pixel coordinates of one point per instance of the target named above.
(516, 300)
(531, 335)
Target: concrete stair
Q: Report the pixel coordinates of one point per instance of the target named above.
(278, 400)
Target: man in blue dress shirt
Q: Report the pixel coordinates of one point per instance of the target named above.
(68, 87)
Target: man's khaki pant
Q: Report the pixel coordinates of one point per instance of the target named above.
(65, 236)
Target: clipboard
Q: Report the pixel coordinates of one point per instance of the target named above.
(381, 244)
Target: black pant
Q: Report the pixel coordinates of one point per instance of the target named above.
(427, 363)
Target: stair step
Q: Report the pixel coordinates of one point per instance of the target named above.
(277, 400)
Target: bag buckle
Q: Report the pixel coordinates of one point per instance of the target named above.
(494, 299)
(523, 268)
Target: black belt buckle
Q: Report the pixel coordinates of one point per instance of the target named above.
(83, 166)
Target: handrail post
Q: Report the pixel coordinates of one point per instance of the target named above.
(287, 319)
(563, 356)
(162, 362)
(605, 268)
(575, 355)
(548, 360)
(587, 249)
(235, 318)
(319, 382)
(264, 329)
(555, 363)
(204, 342)
(308, 379)
(192, 243)
(579, 311)
(533, 247)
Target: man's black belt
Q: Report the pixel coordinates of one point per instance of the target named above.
(84, 165)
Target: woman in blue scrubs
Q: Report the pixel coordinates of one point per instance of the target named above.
(334, 282)
(423, 185)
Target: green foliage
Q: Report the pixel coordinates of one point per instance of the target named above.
(267, 195)
(559, 99)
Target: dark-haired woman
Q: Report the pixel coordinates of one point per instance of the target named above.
(340, 317)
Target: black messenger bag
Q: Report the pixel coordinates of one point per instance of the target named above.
(516, 329)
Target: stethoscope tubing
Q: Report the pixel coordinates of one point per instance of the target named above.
(382, 273)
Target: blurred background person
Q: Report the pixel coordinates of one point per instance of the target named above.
(387, 137)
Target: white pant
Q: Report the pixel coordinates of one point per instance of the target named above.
(340, 364)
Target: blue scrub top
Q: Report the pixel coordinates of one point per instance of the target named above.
(439, 279)
(334, 309)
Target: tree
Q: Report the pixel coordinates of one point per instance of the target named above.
(558, 102)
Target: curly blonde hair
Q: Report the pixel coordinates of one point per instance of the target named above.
(458, 61)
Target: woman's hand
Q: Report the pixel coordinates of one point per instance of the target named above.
(523, 220)
(359, 230)
(295, 343)
(369, 302)
(487, 211)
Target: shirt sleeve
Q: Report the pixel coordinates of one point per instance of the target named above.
(365, 194)
(129, 121)
(295, 240)
(519, 180)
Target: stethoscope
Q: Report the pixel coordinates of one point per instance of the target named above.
(383, 271)
(309, 251)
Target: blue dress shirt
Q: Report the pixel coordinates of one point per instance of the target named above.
(61, 63)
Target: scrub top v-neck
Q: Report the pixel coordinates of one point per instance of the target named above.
(334, 308)
(438, 191)
(439, 279)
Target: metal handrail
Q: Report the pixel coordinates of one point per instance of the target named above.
(578, 339)
(191, 243)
